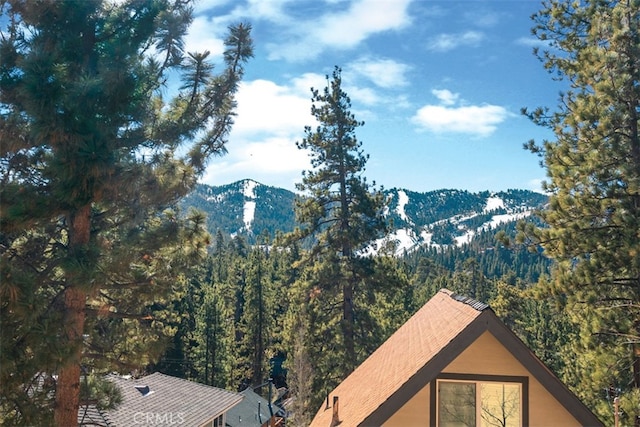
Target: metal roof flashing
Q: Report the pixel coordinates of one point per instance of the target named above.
(477, 305)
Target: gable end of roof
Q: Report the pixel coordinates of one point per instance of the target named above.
(427, 373)
(488, 321)
(429, 341)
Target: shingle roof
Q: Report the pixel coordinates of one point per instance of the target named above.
(417, 352)
(414, 344)
(91, 416)
(252, 411)
(170, 400)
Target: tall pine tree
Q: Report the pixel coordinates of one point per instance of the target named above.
(593, 165)
(342, 215)
(89, 170)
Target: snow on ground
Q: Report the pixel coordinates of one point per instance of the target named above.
(496, 220)
(216, 199)
(249, 189)
(405, 239)
(465, 238)
(249, 213)
(501, 219)
(403, 199)
(494, 203)
(249, 205)
(426, 238)
(460, 218)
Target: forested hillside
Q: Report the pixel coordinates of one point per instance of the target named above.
(273, 301)
(433, 219)
(244, 207)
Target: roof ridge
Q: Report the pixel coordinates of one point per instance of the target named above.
(475, 304)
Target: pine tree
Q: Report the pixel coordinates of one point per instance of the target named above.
(256, 322)
(593, 165)
(341, 215)
(90, 171)
(214, 335)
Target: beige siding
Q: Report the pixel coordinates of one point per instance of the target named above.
(486, 356)
(414, 413)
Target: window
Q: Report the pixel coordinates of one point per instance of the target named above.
(218, 421)
(480, 401)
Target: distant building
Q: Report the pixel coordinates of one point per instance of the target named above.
(255, 411)
(160, 400)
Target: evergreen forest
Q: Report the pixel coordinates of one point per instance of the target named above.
(105, 269)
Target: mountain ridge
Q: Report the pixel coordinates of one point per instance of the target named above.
(436, 218)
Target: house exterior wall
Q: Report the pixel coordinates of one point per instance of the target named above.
(414, 413)
(487, 356)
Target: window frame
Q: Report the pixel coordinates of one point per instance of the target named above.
(218, 421)
(479, 378)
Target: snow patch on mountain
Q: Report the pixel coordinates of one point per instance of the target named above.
(249, 203)
(407, 240)
(216, 198)
(403, 239)
(465, 238)
(403, 199)
(496, 220)
(427, 237)
(494, 203)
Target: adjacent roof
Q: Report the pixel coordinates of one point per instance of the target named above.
(418, 351)
(252, 411)
(169, 400)
(90, 415)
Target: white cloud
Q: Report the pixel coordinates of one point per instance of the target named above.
(202, 36)
(385, 73)
(364, 95)
(483, 18)
(341, 30)
(363, 18)
(262, 144)
(445, 96)
(537, 185)
(265, 107)
(272, 161)
(271, 155)
(267, 9)
(477, 120)
(335, 25)
(200, 6)
(533, 42)
(253, 10)
(302, 85)
(447, 42)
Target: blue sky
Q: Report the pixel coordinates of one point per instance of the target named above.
(439, 85)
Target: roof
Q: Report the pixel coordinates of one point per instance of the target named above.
(91, 415)
(252, 411)
(419, 350)
(169, 400)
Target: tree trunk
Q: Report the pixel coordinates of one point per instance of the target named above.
(75, 298)
(348, 321)
(348, 326)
